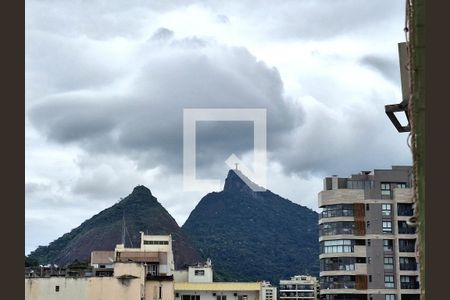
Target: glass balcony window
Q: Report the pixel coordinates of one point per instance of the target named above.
(405, 209)
(403, 228)
(335, 228)
(406, 245)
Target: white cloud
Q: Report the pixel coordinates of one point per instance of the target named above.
(106, 83)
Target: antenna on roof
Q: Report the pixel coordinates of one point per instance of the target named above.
(123, 228)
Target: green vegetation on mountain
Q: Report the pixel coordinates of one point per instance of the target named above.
(254, 235)
(141, 211)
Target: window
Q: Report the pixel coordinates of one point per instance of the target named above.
(405, 209)
(199, 272)
(337, 246)
(389, 281)
(156, 242)
(389, 297)
(370, 278)
(388, 263)
(360, 184)
(57, 288)
(408, 263)
(401, 185)
(386, 209)
(406, 245)
(338, 264)
(242, 297)
(190, 297)
(368, 224)
(152, 269)
(387, 226)
(385, 189)
(337, 210)
(368, 242)
(221, 297)
(334, 228)
(367, 207)
(388, 245)
(403, 228)
(369, 260)
(338, 282)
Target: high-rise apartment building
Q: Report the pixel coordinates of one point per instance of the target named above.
(367, 248)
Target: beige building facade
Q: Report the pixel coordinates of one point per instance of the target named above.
(144, 273)
(300, 287)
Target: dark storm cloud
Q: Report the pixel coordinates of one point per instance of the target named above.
(387, 67)
(146, 122)
(356, 137)
(106, 82)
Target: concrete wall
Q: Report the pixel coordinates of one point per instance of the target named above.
(96, 288)
(44, 288)
(111, 288)
(133, 269)
(208, 295)
(152, 290)
(206, 277)
(180, 275)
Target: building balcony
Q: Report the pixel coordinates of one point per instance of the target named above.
(339, 196)
(407, 249)
(337, 285)
(411, 266)
(407, 245)
(406, 230)
(151, 277)
(409, 285)
(405, 212)
(403, 195)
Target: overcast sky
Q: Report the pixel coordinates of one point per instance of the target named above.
(107, 81)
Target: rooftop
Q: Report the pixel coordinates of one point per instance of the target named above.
(218, 286)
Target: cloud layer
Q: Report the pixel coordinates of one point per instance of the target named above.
(106, 85)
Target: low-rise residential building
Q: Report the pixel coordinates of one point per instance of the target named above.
(299, 287)
(102, 263)
(268, 291)
(144, 273)
(196, 283)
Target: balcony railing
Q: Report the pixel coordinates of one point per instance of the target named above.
(338, 267)
(335, 231)
(405, 212)
(406, 230)
(407, 248)
(337, 285)
(151, 277)
(411, 266)
(409, 285)
(336, 213)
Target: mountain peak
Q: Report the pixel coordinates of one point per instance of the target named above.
(237, 181)
(103, 231)
(142, 190)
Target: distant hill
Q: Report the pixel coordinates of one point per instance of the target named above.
(103, 231)
(254, 235)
